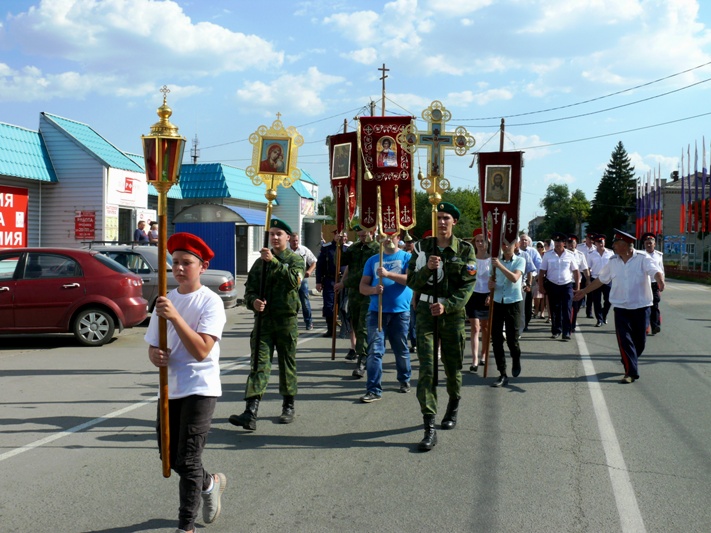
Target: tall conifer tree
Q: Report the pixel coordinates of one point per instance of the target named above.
(614, 202)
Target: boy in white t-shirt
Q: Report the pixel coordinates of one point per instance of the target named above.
(195, 316)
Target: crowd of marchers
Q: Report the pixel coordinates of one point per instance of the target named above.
(417, 295)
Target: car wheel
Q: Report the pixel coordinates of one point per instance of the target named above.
(93, 327)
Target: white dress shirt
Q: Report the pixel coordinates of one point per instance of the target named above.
(559, 268)
(631, 288)
(596, 261)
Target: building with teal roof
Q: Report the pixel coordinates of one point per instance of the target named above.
(67, 169)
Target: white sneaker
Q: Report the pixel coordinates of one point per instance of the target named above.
(211, 500)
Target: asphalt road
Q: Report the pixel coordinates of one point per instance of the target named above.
(564, 448)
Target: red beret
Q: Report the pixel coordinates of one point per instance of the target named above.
(427, 233)
(187, 242)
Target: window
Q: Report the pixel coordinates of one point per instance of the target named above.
(8, 264)
(51, 266)
(257, 238)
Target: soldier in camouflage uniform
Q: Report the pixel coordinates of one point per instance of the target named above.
(354, 259)
(278, 312)
(454, 261)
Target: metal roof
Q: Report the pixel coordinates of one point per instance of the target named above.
(301, 190)
(24, 155)
(216, 180)
(305, 176)
(95, 143)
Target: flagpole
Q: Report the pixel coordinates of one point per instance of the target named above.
(486, 337)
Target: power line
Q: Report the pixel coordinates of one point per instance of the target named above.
(594, 99)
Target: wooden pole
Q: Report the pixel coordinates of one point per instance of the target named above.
(163, 329)
(486, 338)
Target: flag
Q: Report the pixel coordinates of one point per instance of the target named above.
(682, 199)
(688, 188)
(343, 161)
(695, 226)
(638, 218)
(500, 193)
(391, 169)
(660, 226)
(703, 184)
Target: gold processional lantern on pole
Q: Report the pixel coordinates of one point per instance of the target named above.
(163, 152)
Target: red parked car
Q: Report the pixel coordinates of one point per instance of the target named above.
(62, 290)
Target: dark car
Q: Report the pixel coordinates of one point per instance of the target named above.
(143, 260)
(63, 290)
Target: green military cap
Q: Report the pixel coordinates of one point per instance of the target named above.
(277, 223)
(449, 208)
(355, 225)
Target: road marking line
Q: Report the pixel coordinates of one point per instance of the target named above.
(224, 369)
(627, 508)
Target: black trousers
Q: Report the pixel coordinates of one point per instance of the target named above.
(560, 298)
(189, 422)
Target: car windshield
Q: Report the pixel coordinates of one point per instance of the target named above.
(113, 265)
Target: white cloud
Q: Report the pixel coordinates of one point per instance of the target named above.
(480, 98)
(557, 15)
(299, 92)
(558, 178)
(135, 35)
(448, 8)
(366, 56)
(31, 84)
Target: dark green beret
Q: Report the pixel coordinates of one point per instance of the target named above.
(276, 223)
(449, 208)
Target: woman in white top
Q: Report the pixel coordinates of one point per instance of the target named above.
(478, 305)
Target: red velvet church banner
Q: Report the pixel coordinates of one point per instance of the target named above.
(343, 160)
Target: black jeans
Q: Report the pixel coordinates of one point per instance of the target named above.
(189, 422)
(506, 316)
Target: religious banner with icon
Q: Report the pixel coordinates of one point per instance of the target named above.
(274, 155)
(387, 174)
(343, 159)
(500, 192)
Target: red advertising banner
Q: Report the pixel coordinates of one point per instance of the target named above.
(391, 169)
(85, 225)
(343, 159)
(500, 191)
(13, 217)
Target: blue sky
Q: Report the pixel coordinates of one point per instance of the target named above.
(232, 65)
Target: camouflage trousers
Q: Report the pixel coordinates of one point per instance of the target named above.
(452, 336)
(358, 307)
(281, 336)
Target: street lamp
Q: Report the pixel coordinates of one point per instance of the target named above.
(163, 154)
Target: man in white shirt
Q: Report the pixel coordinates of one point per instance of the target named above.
(631, 297)
(597, 259)
(557, 277)
(584, 275)
(655, 317)
(310, 261)
(586, 247)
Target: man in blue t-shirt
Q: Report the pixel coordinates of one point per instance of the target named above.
(388, 280)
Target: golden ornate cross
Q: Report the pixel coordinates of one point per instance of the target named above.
(436, 140)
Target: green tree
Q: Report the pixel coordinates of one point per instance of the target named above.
(564, 212)
(466, 200)
(614, 202)
(327, 207)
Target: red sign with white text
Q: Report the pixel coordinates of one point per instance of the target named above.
(85, 225)
(13, 217)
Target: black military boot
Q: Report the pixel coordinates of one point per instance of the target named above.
(287, 410)
(450, 417)
(248, 419)
(359, 372)
(430, 439)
